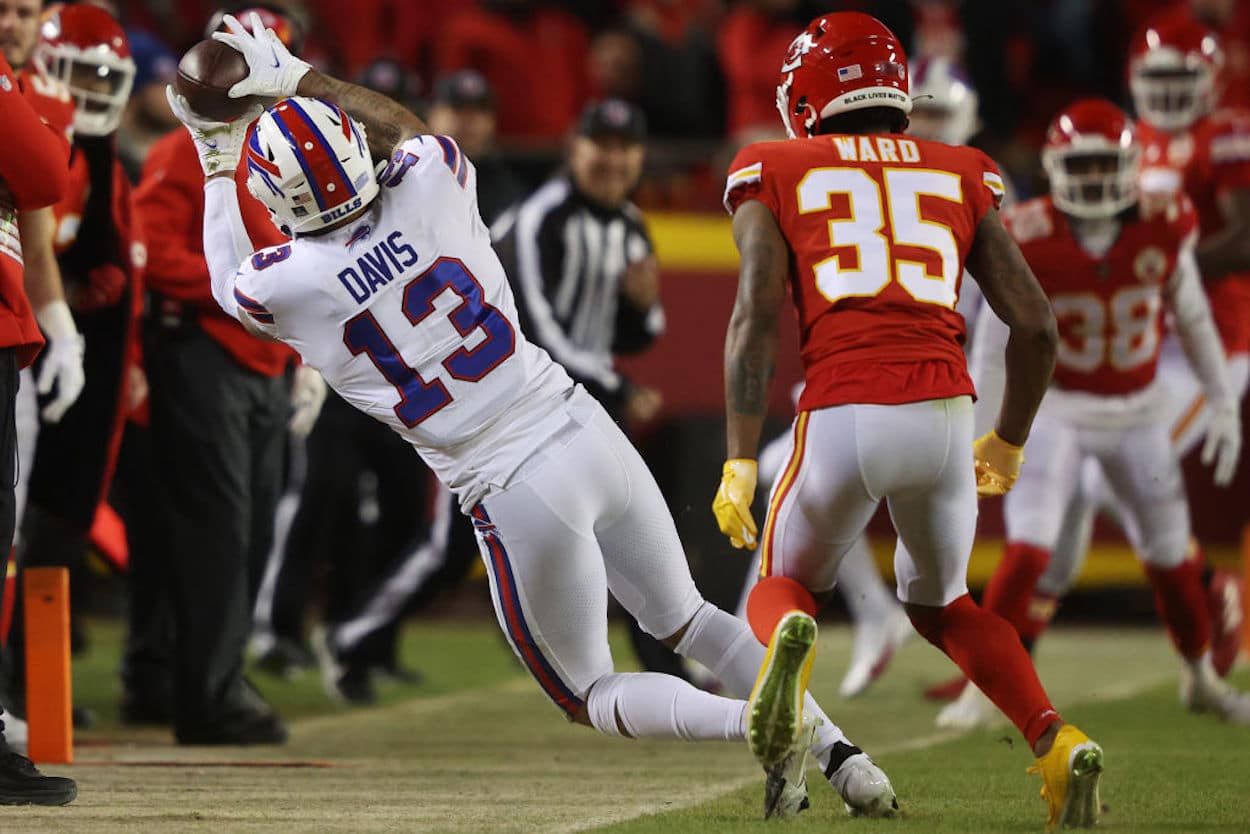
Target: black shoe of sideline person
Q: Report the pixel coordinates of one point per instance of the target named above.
(22, 784)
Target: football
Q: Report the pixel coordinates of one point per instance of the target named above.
(206, 74)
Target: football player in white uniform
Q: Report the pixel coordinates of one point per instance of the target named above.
(391, 290)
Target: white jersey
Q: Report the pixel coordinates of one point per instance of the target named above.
(408, 315)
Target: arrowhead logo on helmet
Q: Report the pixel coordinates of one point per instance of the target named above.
(840, 62)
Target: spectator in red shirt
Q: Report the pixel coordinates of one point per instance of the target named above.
(752, 43)
(533, 55)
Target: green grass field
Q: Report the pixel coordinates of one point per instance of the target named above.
(478, 749)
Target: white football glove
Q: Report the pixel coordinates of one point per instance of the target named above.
(218, 144)
(1223, 441)
(308, 392)
(272, 71)
(61, 364)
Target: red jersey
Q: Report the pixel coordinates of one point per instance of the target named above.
(1109, 309)
(170, 200)
(33, 168)
(1211, 158)
(51, 99)
(879, 228)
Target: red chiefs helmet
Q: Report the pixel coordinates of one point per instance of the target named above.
(841, 62)
(284, 26)
(1092, 158)
(1173, 66)
(85, 47)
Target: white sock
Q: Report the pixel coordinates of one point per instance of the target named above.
(860, 582)
(651, 705)
(726, 646)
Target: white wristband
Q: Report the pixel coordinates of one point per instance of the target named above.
(57, 321)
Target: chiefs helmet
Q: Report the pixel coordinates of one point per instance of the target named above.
(1092, 158)
(841, 62)
(85, 47)
(283, 25)
(1173, 66)
(309, 163)
(943, 102)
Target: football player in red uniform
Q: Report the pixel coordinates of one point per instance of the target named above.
(871, 231)
(60, 377)
(1112, 267)
(100, 256)
(1174, 75)
(32, 175)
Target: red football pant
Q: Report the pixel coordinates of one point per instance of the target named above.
(989, 652)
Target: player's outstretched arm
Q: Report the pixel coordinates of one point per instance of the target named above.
(387, 122)
(273, 72)
(1201, 341)
(1015, 296)
(750, 358)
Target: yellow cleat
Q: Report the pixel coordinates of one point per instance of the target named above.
(775, 712)
(1070, 774)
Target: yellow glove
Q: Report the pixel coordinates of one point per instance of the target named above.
(997, 464)
(732, 505)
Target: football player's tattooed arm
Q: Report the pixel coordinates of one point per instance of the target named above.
(1228, 250)
(1014, 295)
(753, 334)
(387, 122)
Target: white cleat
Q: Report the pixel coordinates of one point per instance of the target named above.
(865, 789)
(785, 783)
(969, 711)
(1202, 690)
(874, 646)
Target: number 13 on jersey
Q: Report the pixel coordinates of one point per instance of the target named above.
(864, 262)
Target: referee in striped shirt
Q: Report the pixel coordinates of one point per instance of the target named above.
(586, 279)
(581, 263)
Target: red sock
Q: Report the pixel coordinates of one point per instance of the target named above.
(1010, 590)
(989, 652)
(772, 598)
(1041, 611)
(1181, 602)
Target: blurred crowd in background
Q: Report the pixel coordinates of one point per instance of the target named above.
(702, 71)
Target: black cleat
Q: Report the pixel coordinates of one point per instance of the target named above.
(22, 784)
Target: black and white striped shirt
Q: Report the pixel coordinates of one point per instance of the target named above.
(565, 257)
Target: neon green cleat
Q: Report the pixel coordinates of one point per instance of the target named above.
(775, 714)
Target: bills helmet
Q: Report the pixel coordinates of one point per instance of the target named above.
(85, 47)
(309, 163)
(842, 61)
(1173, 66)
(943, 102)
(1092, 157)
